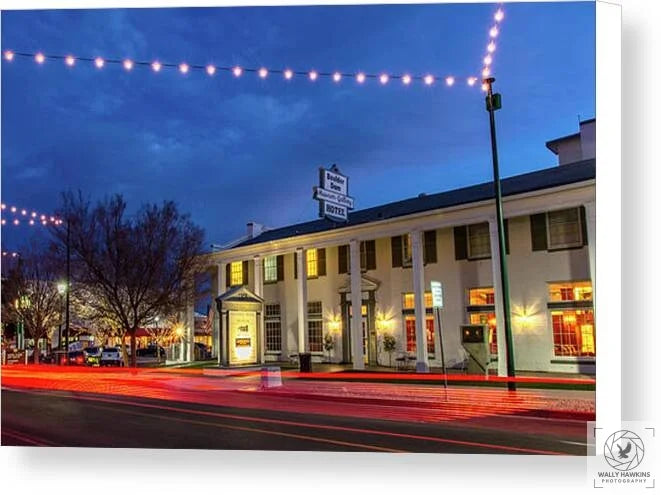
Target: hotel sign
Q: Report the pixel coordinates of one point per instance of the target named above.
(333, 194)
(243, 337)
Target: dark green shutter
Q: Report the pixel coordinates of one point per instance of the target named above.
(396, 248)
(228, 275)
(507, 236)
(245, 272)
(460, 244)
(584, 226)
(370, 247)
(538, 232)
(429, 248)
(280, 262)
(342, 259)
(321, 262)
(295, 265)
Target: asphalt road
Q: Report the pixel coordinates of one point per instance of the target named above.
(74, 419)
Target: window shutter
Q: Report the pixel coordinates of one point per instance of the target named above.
(538, 232)
(228, 275)
(370, 247)
(245, 272)
(584, 226)
(396, 247)
(507, 236)
(342, 259)
(280, 262)
(295, 265)
(460, 244)
(429, 249)
(321, 262)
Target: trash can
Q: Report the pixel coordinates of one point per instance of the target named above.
(305, 362)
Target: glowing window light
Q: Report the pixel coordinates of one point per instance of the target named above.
(449, 80)
(156, 66)
(9, 55)
(429, 79)
(499, 15)
(237, 71)
(40, 58)
(360, 77)
(211, 70)
(486, 71)
(471, 81)
(491, 47)
(406, 79)
(183, 68)
(288, 74)
(313, 75)
(263, 72)
(99, 62)
(69, 60)
(128, 64)
(383, 78)
(493, 32)
(487, 60)
(337, 76)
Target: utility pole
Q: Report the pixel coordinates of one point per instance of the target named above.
(494, 103)
(68, 294)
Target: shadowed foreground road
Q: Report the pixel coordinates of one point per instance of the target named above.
(61, 418)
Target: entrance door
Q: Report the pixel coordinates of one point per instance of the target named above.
(365, 337)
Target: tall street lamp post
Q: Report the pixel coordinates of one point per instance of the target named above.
(66, 325)
(61, 289)
(494, 103)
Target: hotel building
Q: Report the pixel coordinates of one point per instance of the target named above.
(352, 283)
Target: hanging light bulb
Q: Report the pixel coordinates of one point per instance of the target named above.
(183, 68)
(491, 47)
(9, 55)
(156, 66)
(406, 79)
(471, 81)
(360, 77)
(449, 80)
(211, 70)
(488, 60)
(263, 72)
(69, 60)
(383, 78)
(13, 209)
(288, 74)
(237, 71)
(499, 15)
(40, 58)
(493, 32)
(313, 75)
(337, 76)
(429, 79)
(99, 62)
(128, 64)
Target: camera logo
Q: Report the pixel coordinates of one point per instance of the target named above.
(624, 450)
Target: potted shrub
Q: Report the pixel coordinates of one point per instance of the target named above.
(329, 344)
(389, 345)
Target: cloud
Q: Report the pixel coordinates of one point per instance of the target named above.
(266, 111)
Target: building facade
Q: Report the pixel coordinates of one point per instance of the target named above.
(308, 276)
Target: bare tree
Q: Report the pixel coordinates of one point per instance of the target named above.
(30, 294)
(134, 266)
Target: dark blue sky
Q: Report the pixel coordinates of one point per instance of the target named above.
(234, 150)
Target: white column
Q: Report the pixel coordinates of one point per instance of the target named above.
(220, 277)
(498, 297)
(356, 306)
(422, 358)
(221, 288)
(190, 337)
(302, 292)
(259, 290)
(591, 219)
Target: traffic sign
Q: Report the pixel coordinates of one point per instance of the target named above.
(437, 294)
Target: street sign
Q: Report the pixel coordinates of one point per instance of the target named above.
(332, 194)
(437, 294)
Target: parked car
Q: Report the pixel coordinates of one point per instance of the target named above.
(150, 352)
(93, 356)
(111, 356)
(76, 358)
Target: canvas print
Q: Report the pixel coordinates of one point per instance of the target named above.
(346, 228)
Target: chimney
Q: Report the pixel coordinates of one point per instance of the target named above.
(254, 229)
(576, 147)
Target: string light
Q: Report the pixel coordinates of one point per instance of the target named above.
(69, 60)
(491, 47)
(99, 62)
(183, 68)
(360, 77)
(337, 76)
(13, 254)
(488, 60)
(32, 217)
(406, 79)
(383, 78)
(449, 80)
(429, 79)
(237, 71)
(156, 66)
(128, 64)
(313, 75)
(471, 81)
(493, 32)
(9, 55)
(288, 74)
(499, 15)
(40, 58)
(211, 70)
(263, 72)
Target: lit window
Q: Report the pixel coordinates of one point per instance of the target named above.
(312, 262)
(483, 296)
(236, 273)
(270, 269)
(488, 319)
(409, 321)
(408, 300)
(479, 241)
(570, 291)
(573, 333)
(564, 228)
